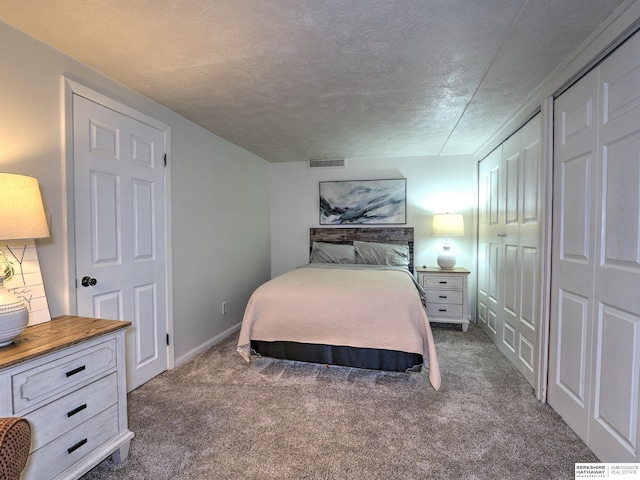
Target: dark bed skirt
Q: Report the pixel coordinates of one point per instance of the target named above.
(371, 358)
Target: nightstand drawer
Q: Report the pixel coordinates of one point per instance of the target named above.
(442, 281)
(66, 413)
(443, 310)
(444, 296)
(42, 382)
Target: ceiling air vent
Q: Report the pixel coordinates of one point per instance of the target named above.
(335, 163)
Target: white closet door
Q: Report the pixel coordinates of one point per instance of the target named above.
(510, 249)
(613, 428)
(530, 259)
(594, 362)
(573, 252)
(509, 260)
(490, 230)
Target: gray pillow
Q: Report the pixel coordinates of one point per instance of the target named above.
(371, 253)
(322, 252)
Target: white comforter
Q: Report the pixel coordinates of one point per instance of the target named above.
(354, 305)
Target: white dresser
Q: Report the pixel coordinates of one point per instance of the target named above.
(446, 292)
(67, 378)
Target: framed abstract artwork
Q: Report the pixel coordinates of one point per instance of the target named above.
(381, 202)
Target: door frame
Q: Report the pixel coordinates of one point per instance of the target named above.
(545, 237)
(69, 88)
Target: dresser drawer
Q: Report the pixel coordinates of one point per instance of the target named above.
(444, 310)
(442, 281)
(39, 383)
(66, 413)
(71, 447)
(444, 296)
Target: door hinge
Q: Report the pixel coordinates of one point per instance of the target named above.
(165, 159)
(167, 339)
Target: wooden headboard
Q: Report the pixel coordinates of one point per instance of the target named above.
(397, 235)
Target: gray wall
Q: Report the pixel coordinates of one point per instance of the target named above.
(220, 192)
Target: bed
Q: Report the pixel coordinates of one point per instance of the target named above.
(355, 304)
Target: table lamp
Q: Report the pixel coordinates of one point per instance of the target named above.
(447, 225)
(22, 217)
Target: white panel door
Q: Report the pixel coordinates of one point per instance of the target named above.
(527, 324)
(120, 227)
(510, 250)
(489, 215)
(509, 260)
(570, 333)
(613, 427)
(594, 358)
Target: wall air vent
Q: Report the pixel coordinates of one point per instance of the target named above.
(335, 163)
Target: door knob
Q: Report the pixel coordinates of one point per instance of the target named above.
(88, 281)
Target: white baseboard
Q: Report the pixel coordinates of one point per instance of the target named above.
(207, 345)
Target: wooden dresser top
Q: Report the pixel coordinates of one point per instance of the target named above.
(59, 333)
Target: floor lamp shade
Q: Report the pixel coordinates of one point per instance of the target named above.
(21, 217)
(447, 225)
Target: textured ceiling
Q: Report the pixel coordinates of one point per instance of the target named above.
(311, 79)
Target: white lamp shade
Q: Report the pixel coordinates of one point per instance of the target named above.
(21, 211)
(447, 225)
(21, 217)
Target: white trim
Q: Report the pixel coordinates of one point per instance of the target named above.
(207, 345)
(70, 88)
(545, 235)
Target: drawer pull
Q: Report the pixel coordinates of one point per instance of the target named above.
(442, 296)
(75, 370)
(442, 309)
(76, 410)
(443, 282)
(76, 446)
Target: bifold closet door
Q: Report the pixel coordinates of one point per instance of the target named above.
(573, 252)
(489, 235)
(508, 247)
(594, 364)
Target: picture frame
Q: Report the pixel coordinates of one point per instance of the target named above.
(377, 202)
(27, 283)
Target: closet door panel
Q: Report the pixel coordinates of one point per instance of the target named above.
(570, 339)
(508, 254)
(510, 308)
(512, 175)
(531, 180)
(492, 299)
(483, 283)
(509, 245)
(614, 421)
(575, 175)
(594, 355)
(489, 228)
(529, 294)
(529, 303)
(571, 371)
(616, 402)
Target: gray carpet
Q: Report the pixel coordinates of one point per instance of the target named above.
(217, 417)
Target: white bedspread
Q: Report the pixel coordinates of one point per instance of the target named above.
(357, 306)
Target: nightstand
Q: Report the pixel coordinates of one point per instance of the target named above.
(446, 292)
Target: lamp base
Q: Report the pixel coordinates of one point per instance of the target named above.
(446, 260)
(14, 316)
